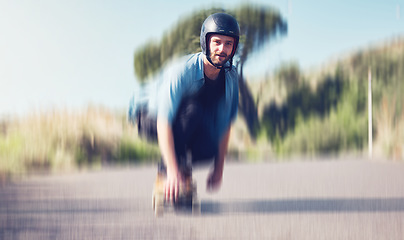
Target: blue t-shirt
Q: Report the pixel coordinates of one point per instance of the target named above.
(183, 78)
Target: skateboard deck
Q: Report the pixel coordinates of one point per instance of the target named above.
(187, 201)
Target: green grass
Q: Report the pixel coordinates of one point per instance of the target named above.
(62, 140)
(325, 111)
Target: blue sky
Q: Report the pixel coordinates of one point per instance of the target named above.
(70, 53)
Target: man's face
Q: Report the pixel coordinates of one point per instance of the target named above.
(221, 48)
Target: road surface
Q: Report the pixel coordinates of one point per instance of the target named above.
(344, 199)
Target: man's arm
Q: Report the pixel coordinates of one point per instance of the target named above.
(166, 144)
(215, 178)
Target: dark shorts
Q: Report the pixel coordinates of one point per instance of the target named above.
(192, 139)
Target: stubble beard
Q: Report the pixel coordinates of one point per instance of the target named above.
(218, 62)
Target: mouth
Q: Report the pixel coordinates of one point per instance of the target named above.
(221, 57)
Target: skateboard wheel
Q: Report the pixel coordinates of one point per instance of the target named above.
(158, 207)
(196, 207)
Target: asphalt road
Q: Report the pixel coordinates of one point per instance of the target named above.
(345, 199)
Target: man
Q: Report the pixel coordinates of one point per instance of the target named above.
(191, 104)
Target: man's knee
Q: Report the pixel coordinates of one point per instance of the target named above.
(147, 125)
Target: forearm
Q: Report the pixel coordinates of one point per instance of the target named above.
(223, 146)
(166, 144)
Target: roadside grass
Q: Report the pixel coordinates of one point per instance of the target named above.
(344, 129)
(390, 130)
(66, 140)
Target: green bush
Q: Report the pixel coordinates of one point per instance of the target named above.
(66, 140)
(132, 149)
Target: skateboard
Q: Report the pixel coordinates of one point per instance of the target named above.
(187, 201)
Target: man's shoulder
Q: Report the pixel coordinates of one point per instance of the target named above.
(187, 61)
(189, 66)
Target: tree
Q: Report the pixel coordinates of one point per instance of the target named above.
(182, 39)
(258, 24)
(290, 74)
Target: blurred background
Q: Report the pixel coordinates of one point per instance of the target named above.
(69, 68)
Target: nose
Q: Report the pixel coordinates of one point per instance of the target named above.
(220, 47)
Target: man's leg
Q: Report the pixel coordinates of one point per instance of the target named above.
(204, 147)
(185, 124)
(194, 133)
(190, 132)
(146, 125)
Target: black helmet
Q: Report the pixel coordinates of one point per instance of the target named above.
(219, 23)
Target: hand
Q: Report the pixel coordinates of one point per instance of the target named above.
(172, 184)
(214, 181)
